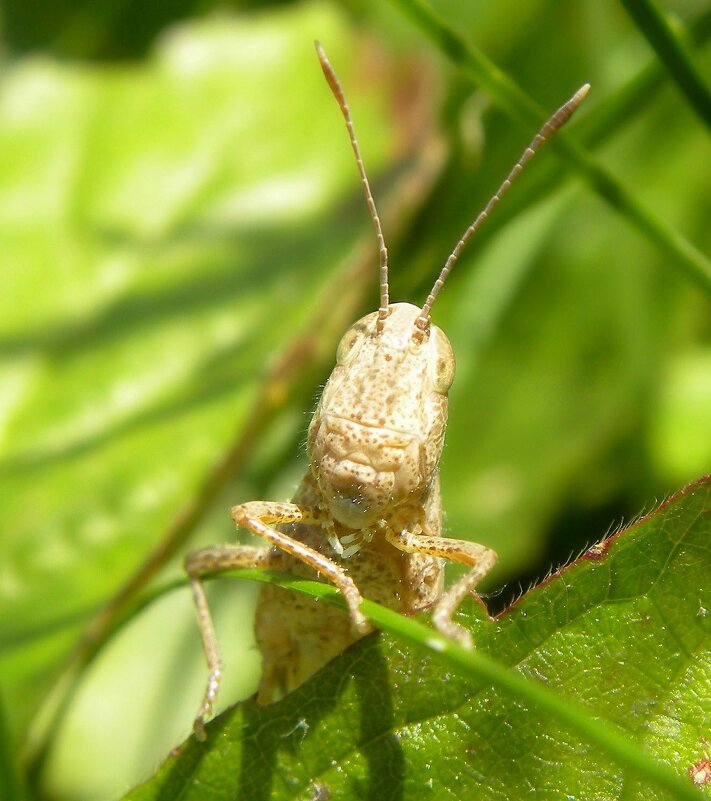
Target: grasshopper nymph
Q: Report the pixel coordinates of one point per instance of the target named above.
(367, 516)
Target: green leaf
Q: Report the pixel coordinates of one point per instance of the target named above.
(618, 643)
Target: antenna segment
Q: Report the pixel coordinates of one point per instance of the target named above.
(553, 124)
(338, 93)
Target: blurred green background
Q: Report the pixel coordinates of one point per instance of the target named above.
(178, 203)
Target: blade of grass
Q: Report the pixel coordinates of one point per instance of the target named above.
(526, 112)
(671, 49)
(622, 105)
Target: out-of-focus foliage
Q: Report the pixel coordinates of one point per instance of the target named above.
(103, 29)
(169, 224)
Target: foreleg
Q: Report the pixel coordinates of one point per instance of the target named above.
(480, 558)
(260, 517)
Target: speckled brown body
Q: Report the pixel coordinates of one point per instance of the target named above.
(374, 445)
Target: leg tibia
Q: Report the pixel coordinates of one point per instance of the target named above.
(200, 563)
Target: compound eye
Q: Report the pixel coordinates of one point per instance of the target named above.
(442, 363)
(349, 345)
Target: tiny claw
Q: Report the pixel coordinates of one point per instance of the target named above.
(205, 711)
(463, 638)
(359, 623)
(454, 631)
(199, 729)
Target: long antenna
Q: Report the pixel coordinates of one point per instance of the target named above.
(554, 123)
(338, 93)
